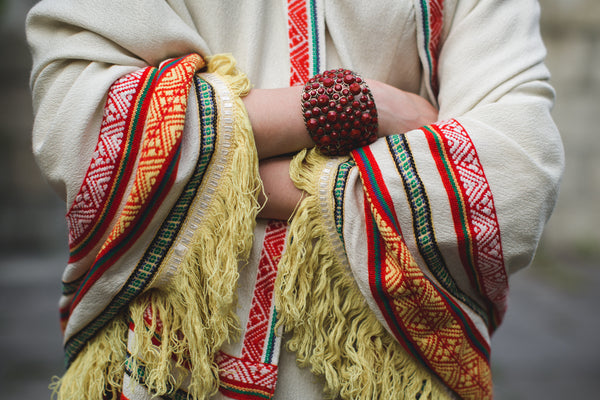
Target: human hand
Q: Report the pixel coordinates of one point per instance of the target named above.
(400, 111)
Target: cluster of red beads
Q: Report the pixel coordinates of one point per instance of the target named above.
(339, 112)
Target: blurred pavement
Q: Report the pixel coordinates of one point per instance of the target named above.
(548, 347)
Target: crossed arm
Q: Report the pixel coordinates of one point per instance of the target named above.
(279, 132)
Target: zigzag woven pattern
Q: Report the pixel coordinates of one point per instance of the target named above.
(157, 164)
(423, 317)
(298, 30)
(244, 379)
(468, 184)
(116, 140)
(423, 227)
(163, 135)
(256, 345)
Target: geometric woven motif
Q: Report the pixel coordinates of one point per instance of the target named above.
(435, 32)
(432, 19)
(109, 164)
(156, 165)
(163, 132)
(423, 227)
(423, 316)
(298, 30)
(254, 375)
(474, 212)
(259, 334)
(244, 379)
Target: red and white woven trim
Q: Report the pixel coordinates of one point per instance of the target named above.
(254, 374)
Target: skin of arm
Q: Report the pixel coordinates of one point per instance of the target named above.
(279, 130)
(277, 121)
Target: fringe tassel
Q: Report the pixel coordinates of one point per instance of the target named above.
(333, 331)
(97, 372)
(194, 315)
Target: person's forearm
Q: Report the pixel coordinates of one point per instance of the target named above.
(400, 111)
(280, 197)
(277, 121)
(279, 128)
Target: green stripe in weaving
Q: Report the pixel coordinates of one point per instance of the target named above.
(422, 222)
(163, 240)
(147, 84)
(458, 196)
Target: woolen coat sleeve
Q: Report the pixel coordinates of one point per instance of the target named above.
(490, 169)
(80, 48)
(149, 142)
(437, 218)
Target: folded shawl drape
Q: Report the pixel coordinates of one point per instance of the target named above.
(394, 271)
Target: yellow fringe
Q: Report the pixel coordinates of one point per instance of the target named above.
(197, 308)
(333, 331)
(98, 369)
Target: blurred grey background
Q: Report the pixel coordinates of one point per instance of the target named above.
(547, 348)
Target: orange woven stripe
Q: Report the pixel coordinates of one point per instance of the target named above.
(163, 131)
(423, 313)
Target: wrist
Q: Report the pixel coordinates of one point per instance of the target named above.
(276, 121)
(280, 197)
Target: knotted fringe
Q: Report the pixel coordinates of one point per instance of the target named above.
(333, 331)
(193, 315)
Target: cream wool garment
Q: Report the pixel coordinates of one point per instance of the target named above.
(456, 206)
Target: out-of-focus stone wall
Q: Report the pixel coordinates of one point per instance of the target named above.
(571, 29)
(31, 215)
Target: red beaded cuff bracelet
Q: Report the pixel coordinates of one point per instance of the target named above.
(339, 112)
